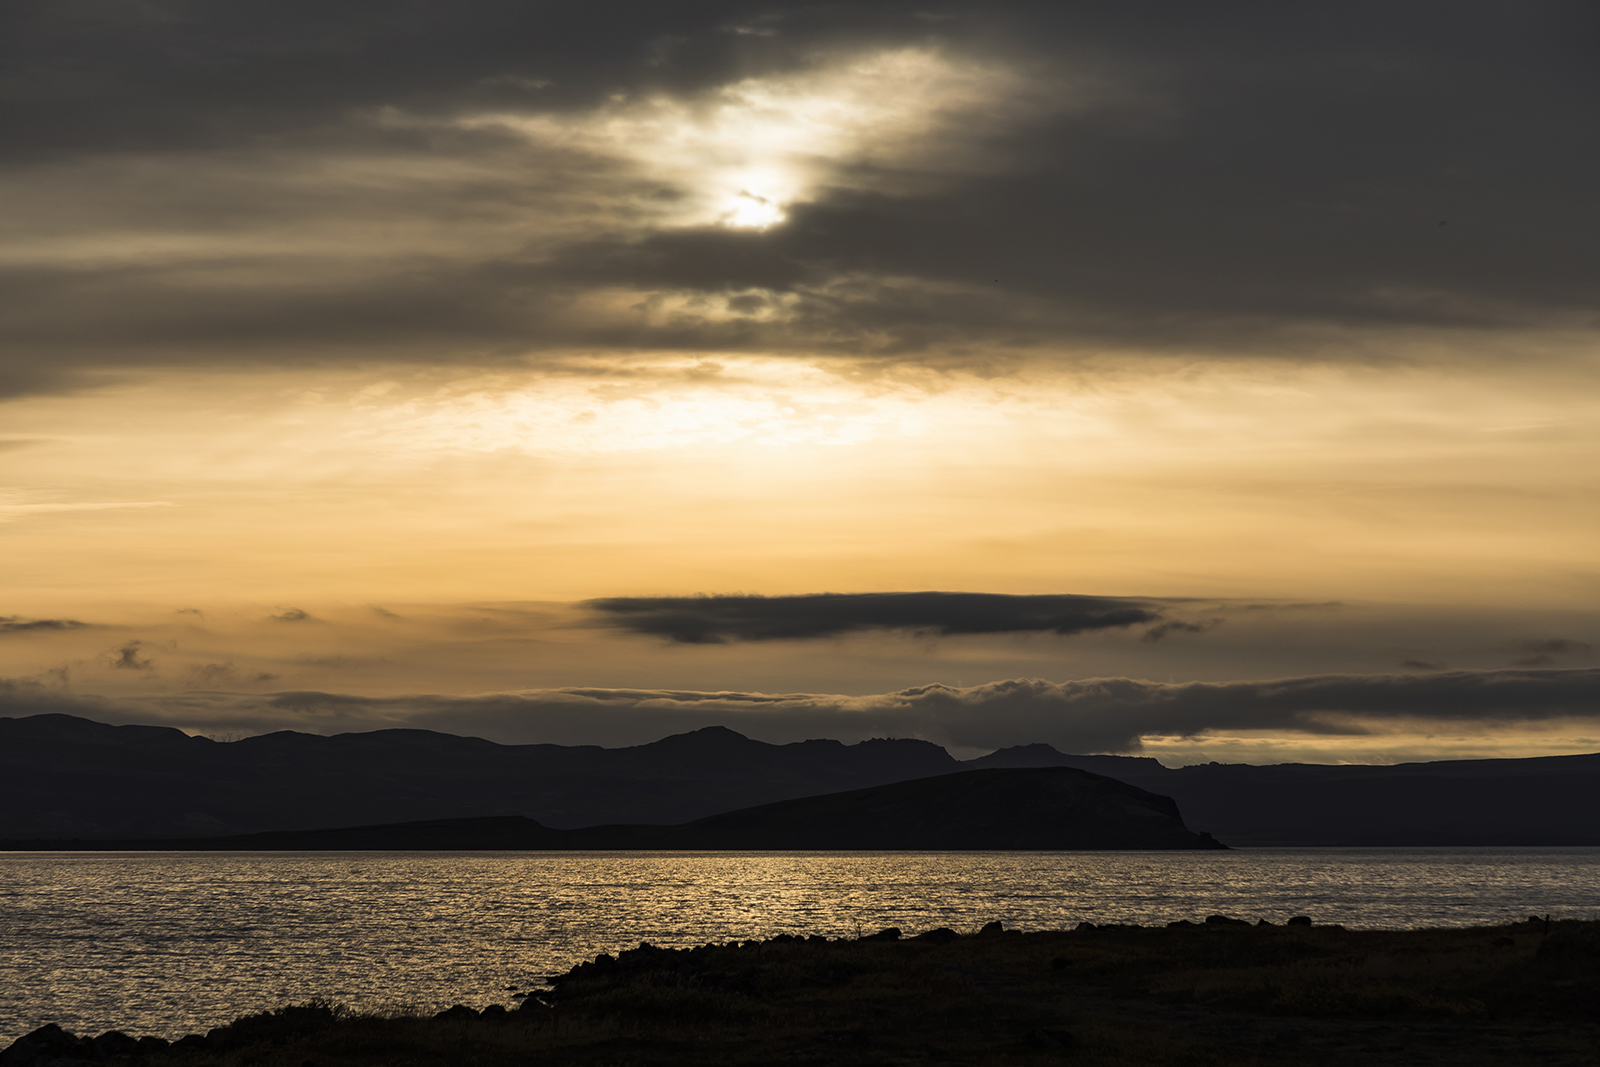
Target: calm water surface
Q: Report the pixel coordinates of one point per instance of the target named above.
(172, 943)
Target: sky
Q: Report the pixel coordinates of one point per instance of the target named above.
(1207, 381)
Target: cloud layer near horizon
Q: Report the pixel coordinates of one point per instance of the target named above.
(1091, 715)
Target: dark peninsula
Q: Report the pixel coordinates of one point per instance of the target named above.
(1018, 808)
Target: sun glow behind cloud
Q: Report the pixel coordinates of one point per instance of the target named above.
(677, 473)
(672, 404)
(743, 154)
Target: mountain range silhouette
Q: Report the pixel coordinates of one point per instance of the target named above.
(64, 777)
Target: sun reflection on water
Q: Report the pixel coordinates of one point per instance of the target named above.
(175, 943)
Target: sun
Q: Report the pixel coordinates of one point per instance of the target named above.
(753, 212)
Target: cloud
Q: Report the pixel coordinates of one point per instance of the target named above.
(717, 619)
(294, 615)
(127, 658)
(1554, 646)
(1089, 715)
(481, 181)
(1175, 626)
(1424, 665)
(213, 673)
(14, 624)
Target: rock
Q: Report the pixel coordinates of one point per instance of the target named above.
(891, 934)
(1060, 963)
(149, 1045)
(1086, 925)
(1052, 1039)
(191, 1043)
(116, 1043)
(942, 936)
(994, 929)
(847, 1037)
(1582, 947)
(45, 1045)
(1180, 923)
(1225, 920)
(1299, 920)
(493, 1011)
(1263, 922)
(459, 1013)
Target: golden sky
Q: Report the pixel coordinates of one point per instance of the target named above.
(354, 364)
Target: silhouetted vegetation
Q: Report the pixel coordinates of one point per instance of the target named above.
(1218, 993)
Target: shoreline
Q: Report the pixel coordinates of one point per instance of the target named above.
(1223, 991)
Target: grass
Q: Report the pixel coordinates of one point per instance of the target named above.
(1110, 997)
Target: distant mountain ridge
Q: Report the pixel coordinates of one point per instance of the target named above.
(63, 776)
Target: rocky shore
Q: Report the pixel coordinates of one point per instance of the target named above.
(1222, 992)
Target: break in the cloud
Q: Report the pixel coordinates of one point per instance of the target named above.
(1092, 715)
(483, 181)
(715, 619)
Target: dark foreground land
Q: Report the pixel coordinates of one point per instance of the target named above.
(1220, 993)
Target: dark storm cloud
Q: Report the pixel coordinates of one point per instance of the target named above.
(1247, 174)
(715, 619)
(1097, 714)
(171, 74)
(15, 624)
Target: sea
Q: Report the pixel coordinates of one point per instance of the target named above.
(174, 943)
